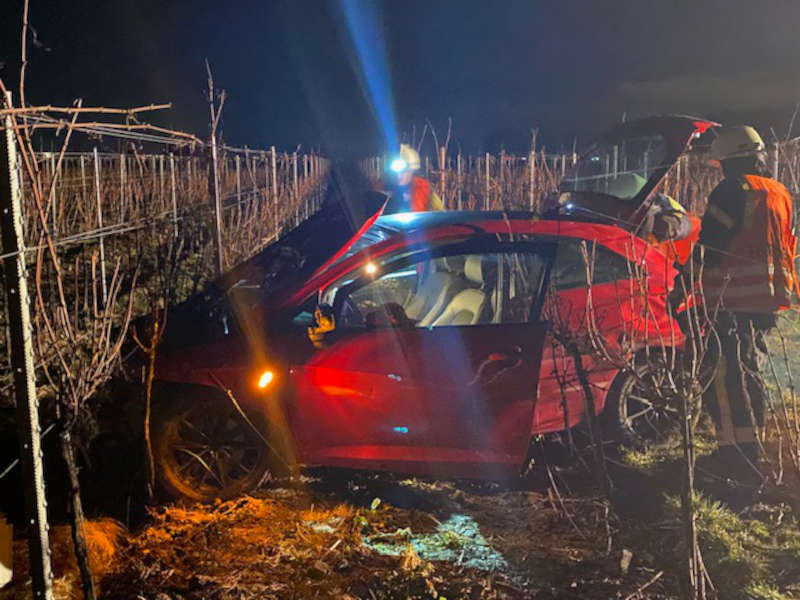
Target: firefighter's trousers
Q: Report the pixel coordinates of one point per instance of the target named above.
(737, 397)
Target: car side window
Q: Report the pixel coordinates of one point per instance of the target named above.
(569, 267)
(455, 290)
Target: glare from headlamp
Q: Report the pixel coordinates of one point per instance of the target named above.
(398, 165)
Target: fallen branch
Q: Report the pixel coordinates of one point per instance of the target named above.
(641, 588)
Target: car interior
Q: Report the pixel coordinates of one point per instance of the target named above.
(457, 290)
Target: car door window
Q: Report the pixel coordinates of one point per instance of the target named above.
(453, 290)
(569, 267)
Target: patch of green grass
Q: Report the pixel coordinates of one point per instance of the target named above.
(747, 558)
(670, 448)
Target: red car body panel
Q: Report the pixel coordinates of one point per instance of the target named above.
(446, 401)
(451, 401)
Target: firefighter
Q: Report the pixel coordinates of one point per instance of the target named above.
(660, 218)
(748, 243)
(409, 193)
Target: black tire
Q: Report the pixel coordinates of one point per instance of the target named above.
(639, 408)
(204, 449)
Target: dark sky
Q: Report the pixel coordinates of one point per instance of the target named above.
(498, 68)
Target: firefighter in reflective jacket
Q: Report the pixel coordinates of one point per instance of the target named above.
(747, 233)
(409, 193)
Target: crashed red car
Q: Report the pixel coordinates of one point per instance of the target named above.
(422, 345)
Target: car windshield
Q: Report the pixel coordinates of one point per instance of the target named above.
(373, 235)
(618, 168)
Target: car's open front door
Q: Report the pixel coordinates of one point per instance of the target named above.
(434, 365)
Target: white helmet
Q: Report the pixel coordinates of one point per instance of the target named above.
(406, 160)
(734, 142)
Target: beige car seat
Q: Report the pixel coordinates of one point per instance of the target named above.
(468, 305)
(436, 290)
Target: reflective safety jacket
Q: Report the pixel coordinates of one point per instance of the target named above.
(423, 197)
(753, 270)
(417, 196)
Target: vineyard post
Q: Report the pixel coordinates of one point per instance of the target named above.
(174, 195)
(214, 186)
(311, 174)
(266, 178)
(100, 223)
(83, 181)
(153, 169)
(295, 190)
(776, 164)
(238, 180)
(443, 171)
(305, 184)
(459, 183)
(318, 171)
(486, 170)
(274, 185)
(161, 179)
(53, 196)
(17, 305)
(500, 176)
(531, 176)
(122, 186)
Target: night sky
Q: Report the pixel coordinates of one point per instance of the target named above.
(498, 68)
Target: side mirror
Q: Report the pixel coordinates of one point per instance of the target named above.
(324, 325)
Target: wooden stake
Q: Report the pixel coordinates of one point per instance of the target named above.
(100, 225)
(486, 172)
(459, 182)
(295, 190)
(274, 185)
(174, 195)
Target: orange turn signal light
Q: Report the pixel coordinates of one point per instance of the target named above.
(265, 379)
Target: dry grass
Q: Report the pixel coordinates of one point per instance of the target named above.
(105, 539)
(303, 544)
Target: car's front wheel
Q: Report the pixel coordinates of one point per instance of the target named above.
(204, 448)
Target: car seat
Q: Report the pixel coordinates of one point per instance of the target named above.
(469, 306)
(436, 290)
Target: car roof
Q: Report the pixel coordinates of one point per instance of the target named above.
(396, 231)
(387, 226)
(418, 221)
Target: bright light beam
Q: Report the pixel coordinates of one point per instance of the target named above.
(365, 32)
(398, 165)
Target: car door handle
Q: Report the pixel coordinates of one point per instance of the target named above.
(500, 357)
(513, 356)
(488, 370)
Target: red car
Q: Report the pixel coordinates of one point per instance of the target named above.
(422, 345)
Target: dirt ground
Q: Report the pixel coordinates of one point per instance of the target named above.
(359, 536)
(338, 534)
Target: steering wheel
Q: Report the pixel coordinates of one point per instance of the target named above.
(389, 314)
(350, 314)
